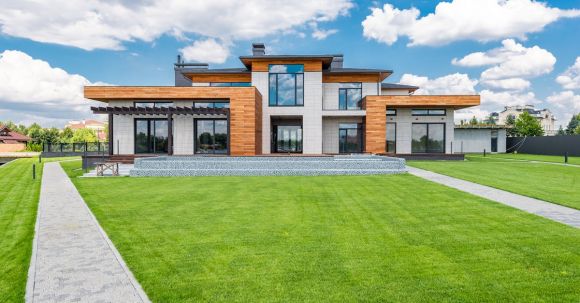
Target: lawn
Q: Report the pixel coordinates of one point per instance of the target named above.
(530, 157)
(331, 238)
(18, 203)
(554, 183)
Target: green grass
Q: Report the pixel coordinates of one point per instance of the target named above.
(19, 195)
(18, 203)
(530, 157)
(554, 183)
(330, 238)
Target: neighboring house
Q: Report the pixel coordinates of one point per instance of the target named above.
(544, 116)
(12, 141)
(477, 138)
(97, 126)
(309, 104)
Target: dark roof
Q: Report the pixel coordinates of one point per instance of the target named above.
(358, 70)
(398, 86)
(326, 59)
(12, 135)
(213, 70)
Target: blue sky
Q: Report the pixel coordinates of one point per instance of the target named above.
(123, 53)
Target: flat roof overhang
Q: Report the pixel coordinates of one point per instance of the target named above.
(120, 93)
(174, 110)
(325, 59)
(425, 101)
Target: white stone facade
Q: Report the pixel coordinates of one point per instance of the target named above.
(476, 140)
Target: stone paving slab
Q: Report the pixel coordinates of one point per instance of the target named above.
(545, 209)
(73, 260)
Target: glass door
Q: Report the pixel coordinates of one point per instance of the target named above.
(349, 138)
(287, 138)
(211, 136)
(151, 136)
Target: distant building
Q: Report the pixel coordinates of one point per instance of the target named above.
(544, 116)
(12, 141)
(97, 126)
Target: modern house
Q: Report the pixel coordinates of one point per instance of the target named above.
(477, 138)
(544, 117)
(11, 141)
(278, 104)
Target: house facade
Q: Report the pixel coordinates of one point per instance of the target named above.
(544, 117)
(277, 104)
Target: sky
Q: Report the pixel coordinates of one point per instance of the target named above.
(511, 52)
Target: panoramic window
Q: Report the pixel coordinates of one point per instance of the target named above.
(230, 84)
(428, 112)
(221, 104)
(211, 136)
(153, 104)
(286, 85)
(350, 96)
(428, 138)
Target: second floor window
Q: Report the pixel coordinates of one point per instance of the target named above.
(153, 104)
(215, 104)
(230, 84)
(350, 96)
(286, 85)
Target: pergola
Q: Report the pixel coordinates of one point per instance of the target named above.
(169, 111)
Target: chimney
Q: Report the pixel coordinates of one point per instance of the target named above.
(258, 49)
(337, 61)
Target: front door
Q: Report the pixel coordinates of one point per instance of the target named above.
(287, 139)
(151, 136)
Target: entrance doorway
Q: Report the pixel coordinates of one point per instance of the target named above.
(286, 136)
(350, 138)
(494, 141)
(151, 136)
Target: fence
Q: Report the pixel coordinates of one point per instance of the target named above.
(548, 145)
(74, 149)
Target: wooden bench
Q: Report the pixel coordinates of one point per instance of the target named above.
(102, 167)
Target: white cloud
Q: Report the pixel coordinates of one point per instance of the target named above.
(33, 91)
(468, 113)
(321, 34)
(481, 20)
(107, 24)
(564, 104)
(454, 84)
(570, 79)
(512, 64)
(495, 100)
(207, 51)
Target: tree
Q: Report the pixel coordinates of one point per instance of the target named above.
(66, 135)
(49, 135)
(510, 123)
(84, 135)
(528, 126)
(35, 133)
(561, 131)
(473, 121)
(573, 124)
(577, 132)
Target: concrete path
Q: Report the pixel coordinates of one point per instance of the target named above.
(545, 209)
(73, 260)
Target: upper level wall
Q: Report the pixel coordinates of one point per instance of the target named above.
(330, 93)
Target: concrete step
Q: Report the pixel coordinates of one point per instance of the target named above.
(258, 172)
(280, 164)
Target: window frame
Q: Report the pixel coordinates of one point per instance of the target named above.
(427, 132)
(212, 102)
(295, 75)
(428, 112)
(346, 89)
(195, 145)
(155, 104)
(392, 115)
(230, 84)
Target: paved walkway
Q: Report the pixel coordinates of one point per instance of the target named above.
(545, 209)
(73, 260)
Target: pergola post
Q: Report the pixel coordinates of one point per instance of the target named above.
(110, 134)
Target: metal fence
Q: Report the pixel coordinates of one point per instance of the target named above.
(547, 145)
(79, 147)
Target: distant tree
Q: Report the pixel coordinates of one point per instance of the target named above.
(35, 133)
(561, 131)
(489, 120)
(577, 132)
(66, 135)
(510, 122)
(473, 121)
(50, 135)
(84, 135)
(528, 126)
(573, 124)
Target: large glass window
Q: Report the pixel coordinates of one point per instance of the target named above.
(287, 139)
(153, 104)
(220, 104)
(230, 84)
(428, 138)
(151, 136)
(350, 138)
(428, 112)
(350, 96)
(391, 137)
(211, 136)
(286, 85)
